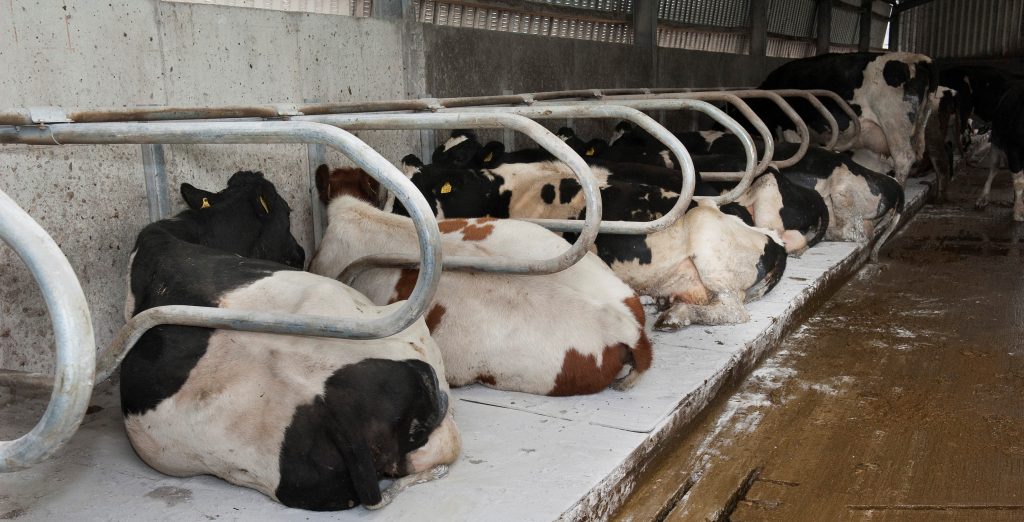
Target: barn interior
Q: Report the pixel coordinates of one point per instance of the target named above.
(859, 388)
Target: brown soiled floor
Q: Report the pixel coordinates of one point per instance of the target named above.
(901, 398)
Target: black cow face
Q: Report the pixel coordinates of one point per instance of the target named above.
(461, 149)
(247, 218)
(460, 193)
(371, 416)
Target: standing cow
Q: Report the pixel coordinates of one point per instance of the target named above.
(1008, 137)
(313, 423)
(567, 333)
(891, 93)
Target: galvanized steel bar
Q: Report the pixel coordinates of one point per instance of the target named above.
(75, 354)
(260, 132)
(818, 106)
(787, 109)
(850, 113)
(155, 173)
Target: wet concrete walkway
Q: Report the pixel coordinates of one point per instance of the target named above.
(902, 398)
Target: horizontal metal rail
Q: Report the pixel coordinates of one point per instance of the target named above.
(75, 354)
(588, 228)
(259, 132)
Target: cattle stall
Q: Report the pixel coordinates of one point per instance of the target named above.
(202, 90)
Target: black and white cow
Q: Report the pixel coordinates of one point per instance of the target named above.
(567, 333)
(859, 202)
(891, 93)
(981, 89)
(704, 266)
(1008, 138)
(311, 422)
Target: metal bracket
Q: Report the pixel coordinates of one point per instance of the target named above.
(45, 115)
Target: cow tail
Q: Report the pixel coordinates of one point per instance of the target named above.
(770, 267)
(822, 226)
(356, 454)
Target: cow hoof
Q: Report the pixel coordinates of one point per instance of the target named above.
(1018, 217)
(669, 323)
(981, 203)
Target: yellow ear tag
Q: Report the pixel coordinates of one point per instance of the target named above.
(264, 203)
(206, 203)
(446, 188)
(591, 151)
(488, 157)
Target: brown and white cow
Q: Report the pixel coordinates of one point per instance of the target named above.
(567, 333)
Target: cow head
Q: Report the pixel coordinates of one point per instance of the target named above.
(353, 182)
(454, 192)
(247, 218)
(461, 149)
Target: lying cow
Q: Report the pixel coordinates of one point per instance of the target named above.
(311, 422)
(796, 213)
(859, 202)
(891, 93)
(566, 333)
(702, 268)
(1008, 138)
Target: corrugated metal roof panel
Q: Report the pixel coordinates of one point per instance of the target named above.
(964, 28)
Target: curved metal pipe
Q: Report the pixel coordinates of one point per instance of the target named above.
(689, 179)
(75, 355)
(850, 113)
(261, 132)
(787, 109)
(587, 230)
(818, 106)
(674, 102)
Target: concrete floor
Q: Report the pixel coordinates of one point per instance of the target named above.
(900, 399)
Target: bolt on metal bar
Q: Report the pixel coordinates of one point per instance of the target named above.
(72, 331)
(752, 168)
(645, 122)
(260, 132)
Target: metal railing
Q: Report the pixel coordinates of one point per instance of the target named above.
(72, 330)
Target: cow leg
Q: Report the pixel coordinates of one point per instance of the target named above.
(935, 143)
(1018, 195)
(983, 201)
(725, 308)
(893, 221)
(401, 484)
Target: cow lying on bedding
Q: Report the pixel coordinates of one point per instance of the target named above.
(311, 422)
(796, 214)
(566, 333)
(702, 268)
(859, 201)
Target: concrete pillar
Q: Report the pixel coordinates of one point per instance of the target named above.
(824, 17)
(865, 25)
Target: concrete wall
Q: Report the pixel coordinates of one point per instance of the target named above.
(147, 52)
(91, 199)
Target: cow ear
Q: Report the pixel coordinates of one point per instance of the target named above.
(355, 451)
(323, 183)
(490, 155)
(196, 198)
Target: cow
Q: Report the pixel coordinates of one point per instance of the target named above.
(891, 93)
(860, 203)
(1008, 138)
(567, 333)
(981, 89)
(311, 422)
(701, 269)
